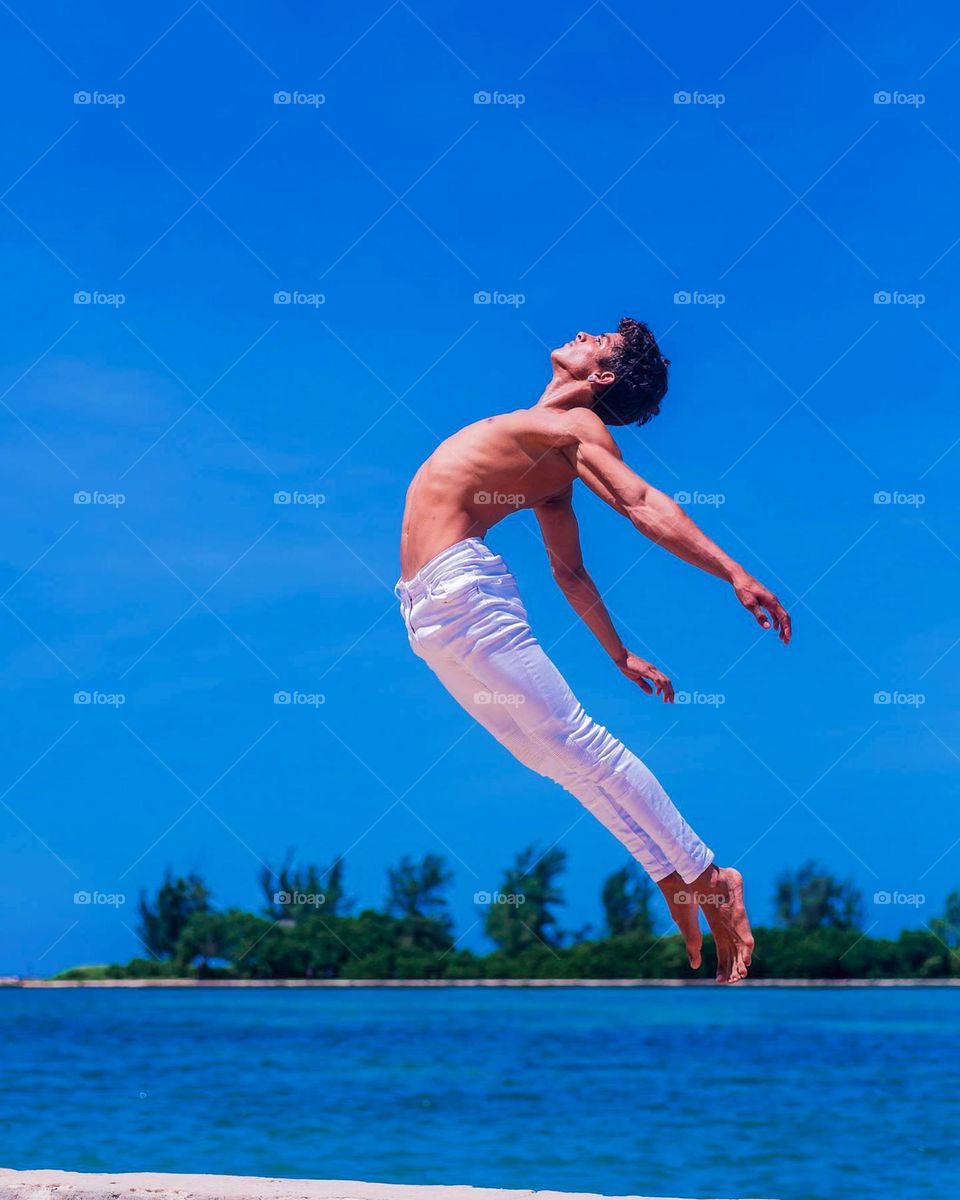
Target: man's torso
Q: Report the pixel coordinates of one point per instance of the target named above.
(480, 475)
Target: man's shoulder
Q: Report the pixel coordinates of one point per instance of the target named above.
(566, 426)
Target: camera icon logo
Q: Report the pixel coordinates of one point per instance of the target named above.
(281, 697)
(282, 97)
(281, 497)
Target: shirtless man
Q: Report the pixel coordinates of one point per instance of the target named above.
(465, 618)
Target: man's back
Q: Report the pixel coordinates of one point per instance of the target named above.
(481, 474)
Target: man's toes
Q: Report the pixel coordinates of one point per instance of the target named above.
(694, 947)
(723, 962)
(741, 963)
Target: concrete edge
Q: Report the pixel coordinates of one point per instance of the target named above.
(70, 1185)
(11, 981)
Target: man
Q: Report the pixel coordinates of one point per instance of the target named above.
(465, 618)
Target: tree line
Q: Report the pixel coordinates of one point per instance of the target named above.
(308, 928)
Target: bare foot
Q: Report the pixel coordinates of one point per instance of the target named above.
(719, 892)
(684, 910)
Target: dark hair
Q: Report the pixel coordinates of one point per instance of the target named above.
(641, 377)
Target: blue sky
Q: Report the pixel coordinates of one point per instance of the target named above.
(780, 199)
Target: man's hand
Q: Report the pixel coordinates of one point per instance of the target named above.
(764, 605)
(649, 677)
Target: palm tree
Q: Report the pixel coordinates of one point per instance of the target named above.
(414, 889)
(811, 898)
(292, 893)
(521, 914)
(627, 901)
(177, 900)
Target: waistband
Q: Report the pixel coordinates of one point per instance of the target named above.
(461, 556)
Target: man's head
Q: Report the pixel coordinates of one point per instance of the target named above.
(626, 372)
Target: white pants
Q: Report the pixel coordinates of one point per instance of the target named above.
(465, 619)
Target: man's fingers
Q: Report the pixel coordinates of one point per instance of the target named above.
(645, 686)
(762, 619)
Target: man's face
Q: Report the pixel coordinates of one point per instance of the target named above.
(582, 356)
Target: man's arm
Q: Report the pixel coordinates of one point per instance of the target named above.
(598, 462)
(561, 536)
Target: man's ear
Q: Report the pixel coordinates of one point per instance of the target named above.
(604, 378)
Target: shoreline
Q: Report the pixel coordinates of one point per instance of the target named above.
(76, 1185)
(14, 982)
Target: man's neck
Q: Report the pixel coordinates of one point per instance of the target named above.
(562, 394)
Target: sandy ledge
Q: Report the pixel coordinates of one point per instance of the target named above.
(67, 1185)
(12, 981)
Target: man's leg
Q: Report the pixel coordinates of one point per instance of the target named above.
(507, 682)
(495, 712)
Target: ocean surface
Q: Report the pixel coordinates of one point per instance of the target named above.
(680, 1092)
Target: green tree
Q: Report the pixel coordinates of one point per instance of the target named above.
(235, 936)
(521, 914)
(415, 889)
(163, 921)
(628, 901)
(293, 893)
(811, 898)
(947, 927)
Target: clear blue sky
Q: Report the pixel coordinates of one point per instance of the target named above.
(796, 399)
